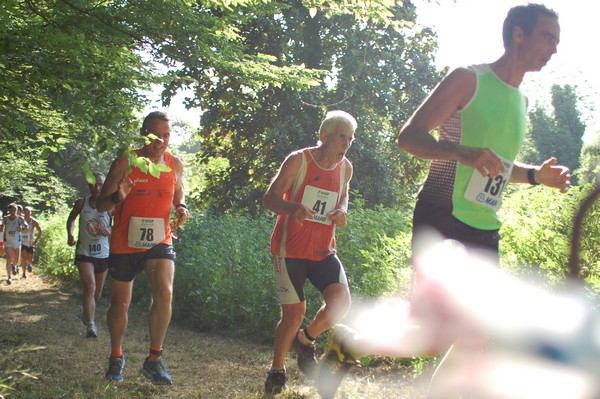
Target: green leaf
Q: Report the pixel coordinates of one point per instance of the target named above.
(153, 169)
(89, 176)
(141, 163)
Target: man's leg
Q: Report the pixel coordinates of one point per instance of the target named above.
(12, 256)
(24, 261)
(88, 282)
(160, 274)
(291, 319)
(337, 304)
(7, 263)
(117, 318)
(99, 278)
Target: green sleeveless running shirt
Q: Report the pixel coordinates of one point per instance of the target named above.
(494, 118)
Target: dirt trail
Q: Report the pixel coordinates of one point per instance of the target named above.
(36, 312)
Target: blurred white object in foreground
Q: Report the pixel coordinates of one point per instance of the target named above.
(513, 340)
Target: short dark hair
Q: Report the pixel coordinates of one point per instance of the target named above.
(524, 17)
(154, 116)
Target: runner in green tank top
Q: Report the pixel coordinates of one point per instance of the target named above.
(481, 114)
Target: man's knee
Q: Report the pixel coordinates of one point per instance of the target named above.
(162, 293)
(293, 314)
(337, 296)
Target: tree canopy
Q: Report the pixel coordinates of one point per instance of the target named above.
(376, 71)
(559, 133)
(73, 74)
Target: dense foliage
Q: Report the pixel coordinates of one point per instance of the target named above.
(73, 73)
(224, 277)
(557, 134)
(377, 72)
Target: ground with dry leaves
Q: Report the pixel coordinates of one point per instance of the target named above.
(45, 351)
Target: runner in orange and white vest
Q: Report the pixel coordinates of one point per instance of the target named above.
(310, 196)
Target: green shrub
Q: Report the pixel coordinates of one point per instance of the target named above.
(537, 232)
(224, 278)
(53, 254)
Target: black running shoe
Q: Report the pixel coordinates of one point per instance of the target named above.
(275, 382)
(14, 270)
(307, 357)
(29, 268)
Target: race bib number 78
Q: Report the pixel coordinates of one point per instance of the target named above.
(145, 232)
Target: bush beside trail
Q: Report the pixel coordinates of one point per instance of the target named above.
(224, 273)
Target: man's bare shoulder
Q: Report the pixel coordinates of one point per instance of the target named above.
(461, 75)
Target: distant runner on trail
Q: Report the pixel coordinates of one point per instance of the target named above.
(91, 253)
(142, 241)
(310, 196)
(1, 234)
(29, 237)
(13, 225)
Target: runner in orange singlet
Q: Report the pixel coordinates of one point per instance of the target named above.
(310, 197)
(141, 240)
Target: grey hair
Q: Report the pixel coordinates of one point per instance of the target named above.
(335, 118)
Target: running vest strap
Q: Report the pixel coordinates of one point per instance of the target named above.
(90, 243)
(495, 118)
(141, 221)
(318, 189)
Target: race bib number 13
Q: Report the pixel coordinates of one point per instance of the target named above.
(145, 232)
(321, 201)
(487, 191)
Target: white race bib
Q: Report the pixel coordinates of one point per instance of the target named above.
(487, 191)
(321, 201)
(145, 232)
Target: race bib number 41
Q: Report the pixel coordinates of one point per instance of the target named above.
(321, 201)
(145, 232)
(487, 191)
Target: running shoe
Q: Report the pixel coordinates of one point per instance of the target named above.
(24, 275)
(29, 268)
(92, 331)
(335, 363)
(14, 270)
(9, 281)
(275, 382)
(115, 368)
(156, 371)
(307, 357)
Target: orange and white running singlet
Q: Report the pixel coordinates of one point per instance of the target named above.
(318, 189)
(141, 221)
